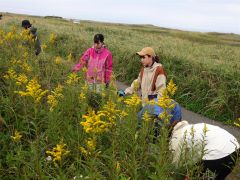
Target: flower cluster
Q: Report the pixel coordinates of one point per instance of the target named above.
(17, 136)
(58, 152)
(133, 101)
(54, 97)
(95, 123)
(72, 79)
(33, 89)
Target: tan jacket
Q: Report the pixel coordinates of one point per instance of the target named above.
(152, 80)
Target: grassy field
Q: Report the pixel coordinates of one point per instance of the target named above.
(204, 65)
(44, 108)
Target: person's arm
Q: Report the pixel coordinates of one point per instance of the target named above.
(108, 69)
(134, 86)
(82, 61)
(37, 46)
(161, 81)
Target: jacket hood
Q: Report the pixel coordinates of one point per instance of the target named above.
(153, 67)
(180, 125)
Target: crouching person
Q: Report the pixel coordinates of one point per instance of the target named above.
(215, 148)
(155, 111)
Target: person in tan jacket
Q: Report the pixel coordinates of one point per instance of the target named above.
(151, 82)
(151, 79)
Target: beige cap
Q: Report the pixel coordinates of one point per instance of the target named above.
(146, 51)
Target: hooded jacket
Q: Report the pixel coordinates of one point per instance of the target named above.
(99, 65)
(209, 142)
(152, 81)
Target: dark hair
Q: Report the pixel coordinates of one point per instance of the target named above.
(98, 38)
(155, 59)
(26, 24)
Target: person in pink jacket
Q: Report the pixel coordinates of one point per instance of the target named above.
(98, 60)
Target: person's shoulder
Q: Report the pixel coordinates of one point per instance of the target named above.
(107, 50)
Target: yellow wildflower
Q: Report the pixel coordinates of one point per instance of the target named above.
(21, 79)
(133, 101)
(33, 89)
(82, 96)
(237, 122)
(171, 88)
(11, 74)
(26, 67)
(205, 129)
(146, 117)
(52, 38)
(17, 136)
(58, 152)
(84, 151)
(118, 167)
(43, 46)
(69, 57)
(58, 60)
(94, 124)
(91, 144)
(53, 98)
(84, 69)
(72, 79)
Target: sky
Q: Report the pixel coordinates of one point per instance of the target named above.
(192, 15)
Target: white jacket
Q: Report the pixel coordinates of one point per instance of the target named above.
(218, 143)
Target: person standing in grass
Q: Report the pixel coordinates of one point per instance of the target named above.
(33, 31)
(98, 61)
(211, 146)
(152, 82)
(151, 79)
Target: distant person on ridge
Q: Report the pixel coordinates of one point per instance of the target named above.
(98, 61)
(26, 25)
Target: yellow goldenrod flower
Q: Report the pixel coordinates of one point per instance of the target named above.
(84, 69)
(82, 96)
(133, 101)
(118, 167)
(33, 89)
(58, 152)
(21, 79)
(84, 151)
(94, 124)
(70, 57)
(237, 122)
(54, 97)
(205, 129)
(25, 55)
(26, 67)
(17, 136)
(52, 38)
(58, 60)
(43, 46)
(147, 117)
(136, 86)
(11, 74)
(123, 114)
(91, 144)
(171, 88)
(72, 79)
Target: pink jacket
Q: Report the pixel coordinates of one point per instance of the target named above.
(99, 65)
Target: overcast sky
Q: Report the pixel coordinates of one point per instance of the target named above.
(193, 15)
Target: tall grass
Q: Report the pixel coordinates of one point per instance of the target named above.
(51, 128)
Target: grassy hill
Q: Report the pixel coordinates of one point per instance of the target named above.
(204, 65)
(48, 128)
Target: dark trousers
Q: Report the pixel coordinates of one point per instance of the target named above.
(221, 167)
